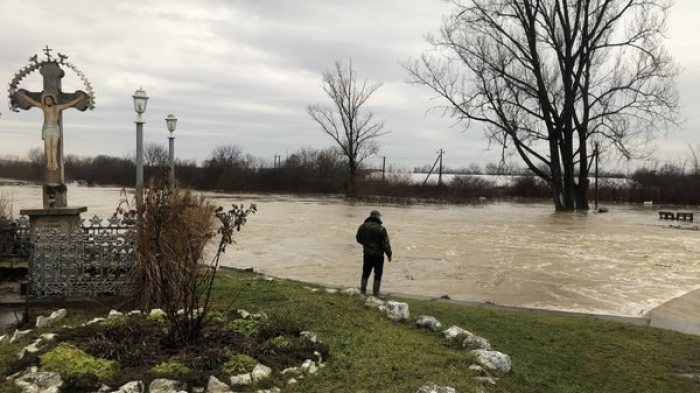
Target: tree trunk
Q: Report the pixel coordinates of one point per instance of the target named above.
(351, 189)
(582, 194)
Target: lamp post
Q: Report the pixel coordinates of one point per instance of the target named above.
(171, 122)
(140, 101)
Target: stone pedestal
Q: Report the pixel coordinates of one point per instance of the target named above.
(64, 219)
(50, 231)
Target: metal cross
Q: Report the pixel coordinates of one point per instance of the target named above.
(47, 51)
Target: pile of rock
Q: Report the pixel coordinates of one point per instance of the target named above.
(34, 381)
(488, 362)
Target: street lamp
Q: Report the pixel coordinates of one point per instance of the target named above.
(140, 101)
(171, 122)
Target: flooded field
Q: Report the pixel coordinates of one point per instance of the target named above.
(624, 262)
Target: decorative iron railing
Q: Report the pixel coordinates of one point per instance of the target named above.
(94, 260)
(14, 240)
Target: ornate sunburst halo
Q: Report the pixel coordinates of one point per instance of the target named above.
(36, 64)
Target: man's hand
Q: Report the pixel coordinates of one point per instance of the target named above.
(389, 259)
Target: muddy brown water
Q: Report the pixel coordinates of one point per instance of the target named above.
(624, 262)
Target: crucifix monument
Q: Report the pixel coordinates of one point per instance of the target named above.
(55, 214)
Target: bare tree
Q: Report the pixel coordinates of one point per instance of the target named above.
(155, 155)
(546, 78)
(354, 131)
(36, 157)
(225, 156)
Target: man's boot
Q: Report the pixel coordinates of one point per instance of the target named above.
(363, 286)
(375, 288)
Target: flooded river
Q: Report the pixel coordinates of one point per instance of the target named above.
(624, 262)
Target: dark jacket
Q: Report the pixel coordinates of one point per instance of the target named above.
(373, 237)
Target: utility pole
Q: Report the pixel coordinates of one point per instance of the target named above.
(277, 161)
(383, 167)
(439, 159)
(440, 152)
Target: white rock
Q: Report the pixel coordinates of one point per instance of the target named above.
(292, 381)
(428, 322)
(131, 387)
(42, 321)
(59, 314)
(96, 320)
(430, 387)
(260, 371)
(157, 312)
(15, 375)
(241, 379)
(162, 385)
(476, 369)
(134, 312)
(216, 386)
(311, 289)
(476, 342)
(486, 380)
(259, 316)
(455, 332)
(309, 366)
(493, 360)
(243, 313)
(104, 389)
(331, 290)
(272, 390)
(114, 314)
(319, 358)
(4, 339)
(374, 302)
(39, 382)
(397, 311)
(19, 334)
(311, 336)
(296, 371)
(48, 336)
(55, 316)
(351, 291)
(31, 348)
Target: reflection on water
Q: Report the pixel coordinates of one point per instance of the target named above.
(624, 262)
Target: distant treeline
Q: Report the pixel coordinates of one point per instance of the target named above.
(314, 171)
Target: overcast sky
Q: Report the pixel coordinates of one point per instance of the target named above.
(243, 72)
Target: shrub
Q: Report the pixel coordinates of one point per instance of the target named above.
(69, 360)
(5, 206)
(239, 363)
(245, 327)
(171, 368)
(281, 341)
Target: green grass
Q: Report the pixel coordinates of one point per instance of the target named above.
(371, 354)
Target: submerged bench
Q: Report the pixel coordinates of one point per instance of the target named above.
(669, 215)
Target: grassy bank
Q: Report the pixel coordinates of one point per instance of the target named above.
(550, 353)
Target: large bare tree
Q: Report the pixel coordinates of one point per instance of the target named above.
(354, 131)
(549, 78)
(155, 155)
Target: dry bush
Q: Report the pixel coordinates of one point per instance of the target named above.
(5, 206)
(173, 227)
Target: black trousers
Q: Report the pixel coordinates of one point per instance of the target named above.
(373, 262)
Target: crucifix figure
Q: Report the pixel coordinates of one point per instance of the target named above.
(52, 101)
(51, 131)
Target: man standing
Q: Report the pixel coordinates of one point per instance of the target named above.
(375, 243)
